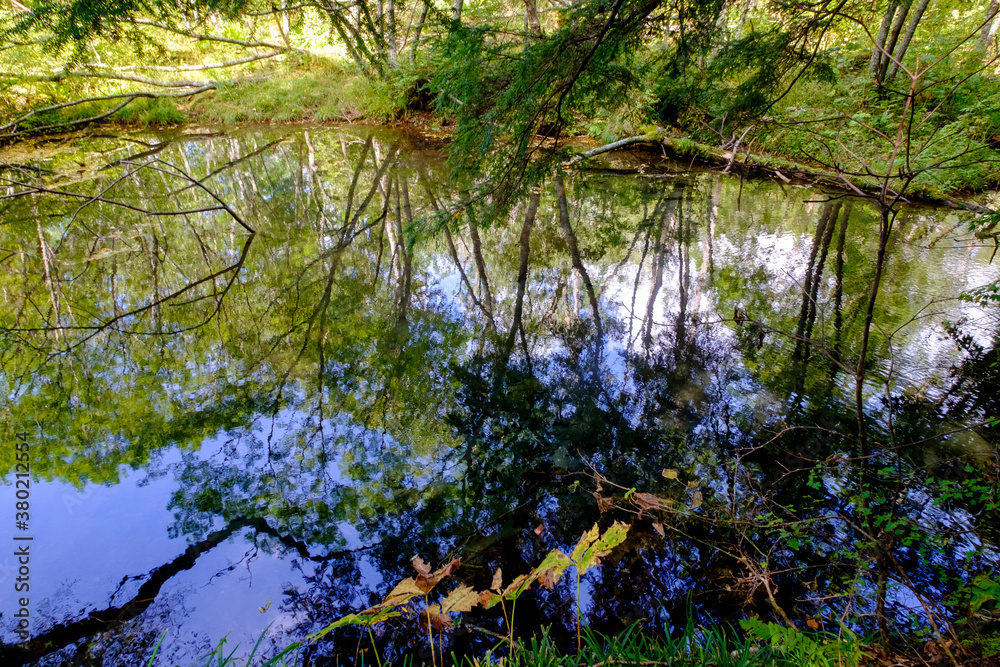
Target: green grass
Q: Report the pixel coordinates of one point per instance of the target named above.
(316, 90)
(717, 646)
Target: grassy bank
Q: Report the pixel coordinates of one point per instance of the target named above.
(262, 75)
(302, 88)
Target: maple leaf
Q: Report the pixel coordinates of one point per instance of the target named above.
(518, 586)
(488, 599)
(427, 580)
(437, 618)
(403, 591)
(592, 547)
(586, 540)
(550, 570)
(462, 598)
(420, 566)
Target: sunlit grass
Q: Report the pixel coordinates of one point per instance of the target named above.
(691, 646)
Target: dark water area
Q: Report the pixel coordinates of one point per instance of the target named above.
(233, 434)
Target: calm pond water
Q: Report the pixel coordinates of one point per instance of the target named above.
(233, 434)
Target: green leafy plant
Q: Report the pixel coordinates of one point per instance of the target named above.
(588, 552)
(805, 648)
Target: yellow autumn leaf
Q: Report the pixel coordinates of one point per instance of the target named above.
(462, 598)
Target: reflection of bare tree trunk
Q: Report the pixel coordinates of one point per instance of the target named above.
(818, 270)
(153, 257)
(838, 290)
(390, 232)
(643, 230)
(405, 261)
(814, 272)
(477, 253)
(487, 307)
(659, 261)
(708, 251)
(683, 275)
(104, 620)
(522, 272)
(490, 322)
(46, 253)
(574, 251)
(887, 217)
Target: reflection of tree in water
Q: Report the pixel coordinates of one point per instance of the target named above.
(362, 394)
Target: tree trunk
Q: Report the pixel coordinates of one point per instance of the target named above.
(883, 33)
(531, 16)
(420, 26)
(456, 10)
(355, 44)
(989, 27)
(890, 45)
(747, 8)
(912, 28)
(281, 19)
(390, 34)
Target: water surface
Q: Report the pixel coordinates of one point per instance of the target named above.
(238, 433)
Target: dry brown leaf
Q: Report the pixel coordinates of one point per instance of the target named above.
(813, 625)
(696, 500)
(539, 529)
(487, 599)
(658, 527)
(462, 598)
(646, 501)
(438, 619)
(420, 566)
(517, 586)
(425, 582)
(497, 580)
(403, 591)
(604, 504)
